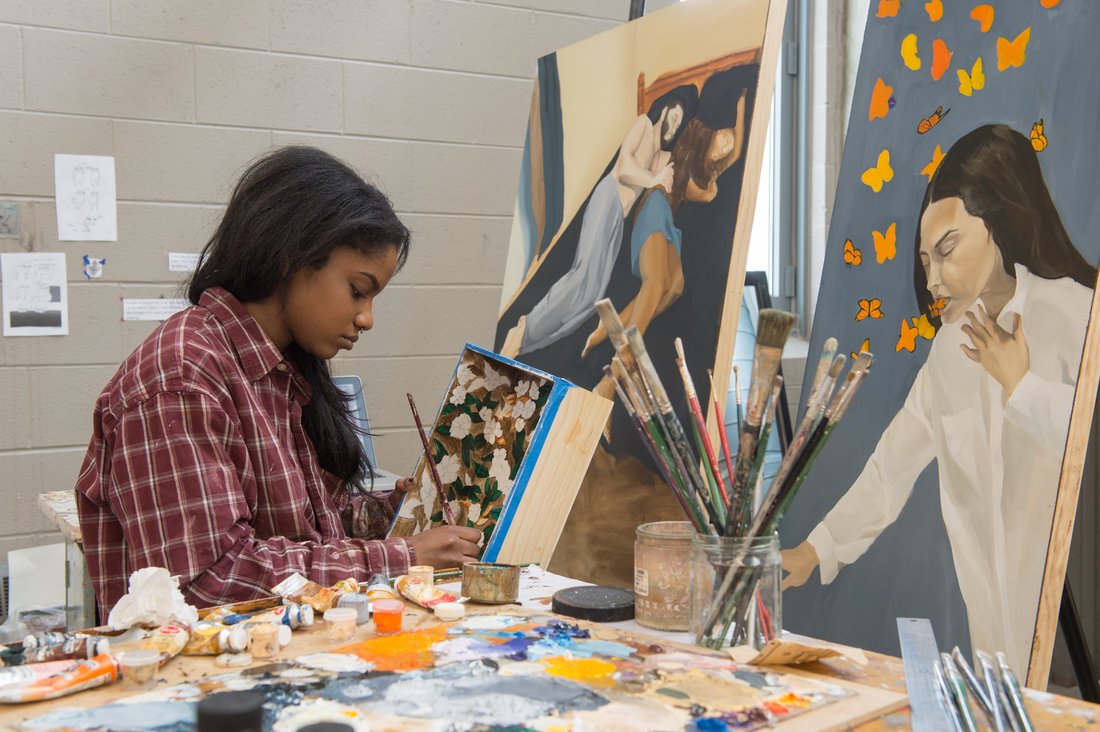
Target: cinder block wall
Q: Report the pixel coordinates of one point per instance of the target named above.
(428, 98)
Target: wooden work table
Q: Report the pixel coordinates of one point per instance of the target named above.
(1048, 711)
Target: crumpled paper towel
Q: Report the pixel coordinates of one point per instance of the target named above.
(153, 600)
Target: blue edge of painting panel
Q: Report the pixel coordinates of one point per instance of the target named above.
(534, 448)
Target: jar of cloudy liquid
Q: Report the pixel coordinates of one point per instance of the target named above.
(662, 554)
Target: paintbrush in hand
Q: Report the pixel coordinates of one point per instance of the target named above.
(772, 330)
(445, 504)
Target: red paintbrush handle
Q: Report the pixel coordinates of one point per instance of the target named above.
(697, 412)
(444, 503)
(725, 444)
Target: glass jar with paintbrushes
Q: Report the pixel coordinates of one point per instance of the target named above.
(761, 618)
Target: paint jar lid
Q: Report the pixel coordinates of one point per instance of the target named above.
(594, 602)
(341, 615)
(327, 727)
(237, 638)
(387, 606)
(447, 611)
(357, 602)
(231, 711)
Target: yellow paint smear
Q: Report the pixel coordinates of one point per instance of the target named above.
(586, 670)
(401, 651)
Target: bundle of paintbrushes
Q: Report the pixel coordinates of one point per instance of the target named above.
(736, 505)
(996, 691)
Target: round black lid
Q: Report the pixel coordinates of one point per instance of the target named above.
(327, 727)
(231, 711)
(593, 602)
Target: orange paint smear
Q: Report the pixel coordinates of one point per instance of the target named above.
(775, 708)
(794, 701)
(593, 671)
(399, 652)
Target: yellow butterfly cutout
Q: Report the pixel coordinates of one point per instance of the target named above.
(886, 245)
(934, 8)
(881, 173)
(924, 327)
(909, 52)
(1014, 52)
(864, 347)
(930, 169)
(852, 257)
(869, 309)
(907, 341)
(972, 82)
(1038, 137)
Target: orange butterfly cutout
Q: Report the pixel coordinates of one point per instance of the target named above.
(934, 8)
(984, 15)
(888, 8)
(1048, 4)
(864, 347)
(882, 173)
(907, 339)
(937, 307)
(941, 59)
(1038, 137)
(909, 52)
(931, 120)
(852, 257)
(1014, 52)
(881, 97)
(930, 169)
(886, 245)
(869, 309)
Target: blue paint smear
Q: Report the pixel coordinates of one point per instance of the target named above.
(143, 716)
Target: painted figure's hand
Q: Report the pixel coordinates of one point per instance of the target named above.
(1003, 354)
(664, 178)
(799, 563)
(446, 546)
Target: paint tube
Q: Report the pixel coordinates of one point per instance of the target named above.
(420, 592)
(32, 672)
(98, 671)
(326, 597)
(378, 588)
(296, 587)
(167, 640)
(296, 616)
(210, 639)
(41, 647)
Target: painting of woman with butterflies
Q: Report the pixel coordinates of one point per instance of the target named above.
(939, 498)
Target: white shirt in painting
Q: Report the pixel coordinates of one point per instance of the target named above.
(998, 463)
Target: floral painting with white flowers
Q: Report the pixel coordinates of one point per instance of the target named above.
(478, 443)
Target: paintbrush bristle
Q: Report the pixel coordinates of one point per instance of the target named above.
(679, 344)
(609, 317)
(863, 361)
(773, 327)
(837, 366)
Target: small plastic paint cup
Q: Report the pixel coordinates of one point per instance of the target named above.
(265, 640)
(341, 622)
(387, 616)
(448, 611)
(139, 668)
(424, 572)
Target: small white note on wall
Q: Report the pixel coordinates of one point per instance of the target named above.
(156, 308)
(85, 190)
(35, 297)
(183, 261)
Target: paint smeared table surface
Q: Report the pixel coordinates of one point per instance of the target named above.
(879, 672)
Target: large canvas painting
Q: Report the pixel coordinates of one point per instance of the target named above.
(962, 252)
(638, 182)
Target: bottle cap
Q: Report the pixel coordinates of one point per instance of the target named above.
(231, 711)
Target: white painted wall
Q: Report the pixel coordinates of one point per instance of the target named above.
(428, 98)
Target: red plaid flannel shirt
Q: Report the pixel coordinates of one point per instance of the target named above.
(199, 463)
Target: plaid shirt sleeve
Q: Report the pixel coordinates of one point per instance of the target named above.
(175, 487)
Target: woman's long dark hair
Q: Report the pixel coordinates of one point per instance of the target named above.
(995, 172)
(289, 211)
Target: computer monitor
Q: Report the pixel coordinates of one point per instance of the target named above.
(352, 386)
